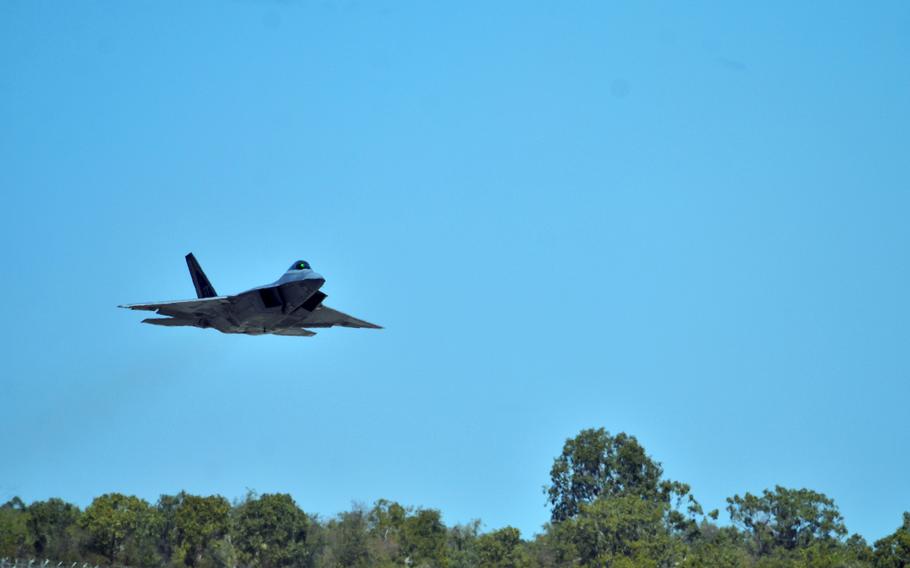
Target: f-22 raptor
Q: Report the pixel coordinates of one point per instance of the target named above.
(287, 306)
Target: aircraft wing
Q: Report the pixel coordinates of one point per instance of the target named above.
(171, 322)
(324, 316)
(201, 307)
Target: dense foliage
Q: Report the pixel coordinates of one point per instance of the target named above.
(610, 507)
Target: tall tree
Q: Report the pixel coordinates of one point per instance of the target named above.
(347, 540)
(502, 549)
(122, 529)
(893, 551)
(52, 524)
(424, 539)
(595, 464)
(270, 531)
(786, 518)
(385, 521)
(15, 538)
(167, 517)
(716, 547)
(462, 549)
(193, 524)
(618, 531)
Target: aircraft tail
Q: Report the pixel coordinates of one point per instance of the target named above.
(204, 288)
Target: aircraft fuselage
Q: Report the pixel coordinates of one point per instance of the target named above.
(289, 306)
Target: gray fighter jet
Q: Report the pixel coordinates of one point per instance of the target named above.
(287, 306)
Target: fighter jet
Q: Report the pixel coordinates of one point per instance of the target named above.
(287, 306)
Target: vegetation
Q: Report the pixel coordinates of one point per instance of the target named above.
(610, 507)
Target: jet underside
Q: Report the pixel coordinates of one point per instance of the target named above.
(270, 309)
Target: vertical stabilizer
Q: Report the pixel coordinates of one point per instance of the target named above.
(204, 288)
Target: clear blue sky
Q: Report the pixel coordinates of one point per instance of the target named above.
(687, 222)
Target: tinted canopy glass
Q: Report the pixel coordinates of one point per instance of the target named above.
(301, 265)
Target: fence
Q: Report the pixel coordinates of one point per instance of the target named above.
(35, 563)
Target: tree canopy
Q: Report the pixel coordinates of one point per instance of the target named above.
(611, 507)
(786, 518)
(594, 463)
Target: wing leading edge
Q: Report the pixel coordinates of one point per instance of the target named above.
(185, 308)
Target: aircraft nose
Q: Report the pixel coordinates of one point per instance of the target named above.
(315, 276)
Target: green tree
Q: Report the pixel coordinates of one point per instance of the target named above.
(424, 539)
(15, 537)
(122, 529)
(270, 531)
(786, 518)
(716, 547)
(347, 542)
(595, 464)
(622, 531)
(385, 521)
(833, 554)
(552, 548)
(193, 524)
(167, 514)
(502, 549)
(893, 551)
(462, 549)
(53, 526)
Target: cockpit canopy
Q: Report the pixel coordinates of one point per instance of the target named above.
(300, 265)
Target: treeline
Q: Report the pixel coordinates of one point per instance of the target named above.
(611, 506)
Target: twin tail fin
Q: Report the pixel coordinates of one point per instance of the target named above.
(204, 288)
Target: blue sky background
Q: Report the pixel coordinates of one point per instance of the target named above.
(688, 222)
